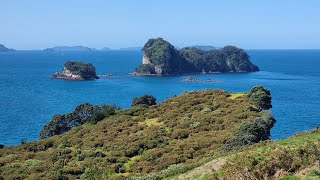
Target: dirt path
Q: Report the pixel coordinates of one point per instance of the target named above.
(208, 167)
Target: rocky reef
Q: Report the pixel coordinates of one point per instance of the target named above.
(5, 49)
(77, 70)
(162, 58)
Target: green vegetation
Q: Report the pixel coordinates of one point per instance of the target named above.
(156, 141)
(83, 113)
(77, 70)
(147, 100)
(80, 68)
(297, 157)
(164, 59)
(236, 95)
(261, 97)
(251, 132)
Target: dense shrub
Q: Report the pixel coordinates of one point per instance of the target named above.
(148, 100)
(86, 70)
(147, 139)
(251, 132)
(288, 160)
(261, 97)
(83, 113)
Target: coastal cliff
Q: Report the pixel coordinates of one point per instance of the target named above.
(77, 70)
(162, 58)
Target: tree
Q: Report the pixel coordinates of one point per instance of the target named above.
(261, 97)
(144, 100)
(251, 132)
(83, 113)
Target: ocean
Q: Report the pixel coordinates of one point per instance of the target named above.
(29, 98)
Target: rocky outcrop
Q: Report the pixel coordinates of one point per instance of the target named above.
(161, 58)
(76, 70)
(5, 49)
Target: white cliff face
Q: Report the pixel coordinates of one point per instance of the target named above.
(67, 73)
(145, 59)
(158, 69)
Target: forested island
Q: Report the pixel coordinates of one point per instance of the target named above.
(77, 70)
(5, 49)
(162, 58)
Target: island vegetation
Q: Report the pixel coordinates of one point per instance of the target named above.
(147, 100)
(77, 70)
(162, 58)
(146, 140)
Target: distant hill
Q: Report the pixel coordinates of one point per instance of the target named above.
(132, 48)
(105, 49)
(5, 49)
(68, 48)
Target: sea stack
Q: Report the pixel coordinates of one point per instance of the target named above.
(77, 70)
(162, 58)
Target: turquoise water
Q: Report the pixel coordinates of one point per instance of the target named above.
(28, 98)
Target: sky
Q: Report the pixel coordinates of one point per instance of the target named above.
(249, 24)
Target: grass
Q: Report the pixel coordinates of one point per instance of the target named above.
(234, 96)
(297, 157)
(130, 162)
(152, 122)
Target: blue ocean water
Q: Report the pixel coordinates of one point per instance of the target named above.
(29, 98)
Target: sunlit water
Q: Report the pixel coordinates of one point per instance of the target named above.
(29, 98)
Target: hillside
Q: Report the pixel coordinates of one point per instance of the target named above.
(295, 158)
(162, 58)
(159, 140)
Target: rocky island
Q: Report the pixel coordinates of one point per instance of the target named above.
(77, 70)
(5, 49)
(162, 58)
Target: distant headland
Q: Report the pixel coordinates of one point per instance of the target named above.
(68, 48)
(5, 49)
(162, 58)
(77, 70)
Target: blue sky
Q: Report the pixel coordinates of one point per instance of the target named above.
(250, 24)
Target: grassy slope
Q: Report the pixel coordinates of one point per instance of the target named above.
(177, 134)
(296, 157)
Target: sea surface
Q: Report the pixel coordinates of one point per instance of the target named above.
(29, 98)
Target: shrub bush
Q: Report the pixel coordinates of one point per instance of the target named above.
(147, 100)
